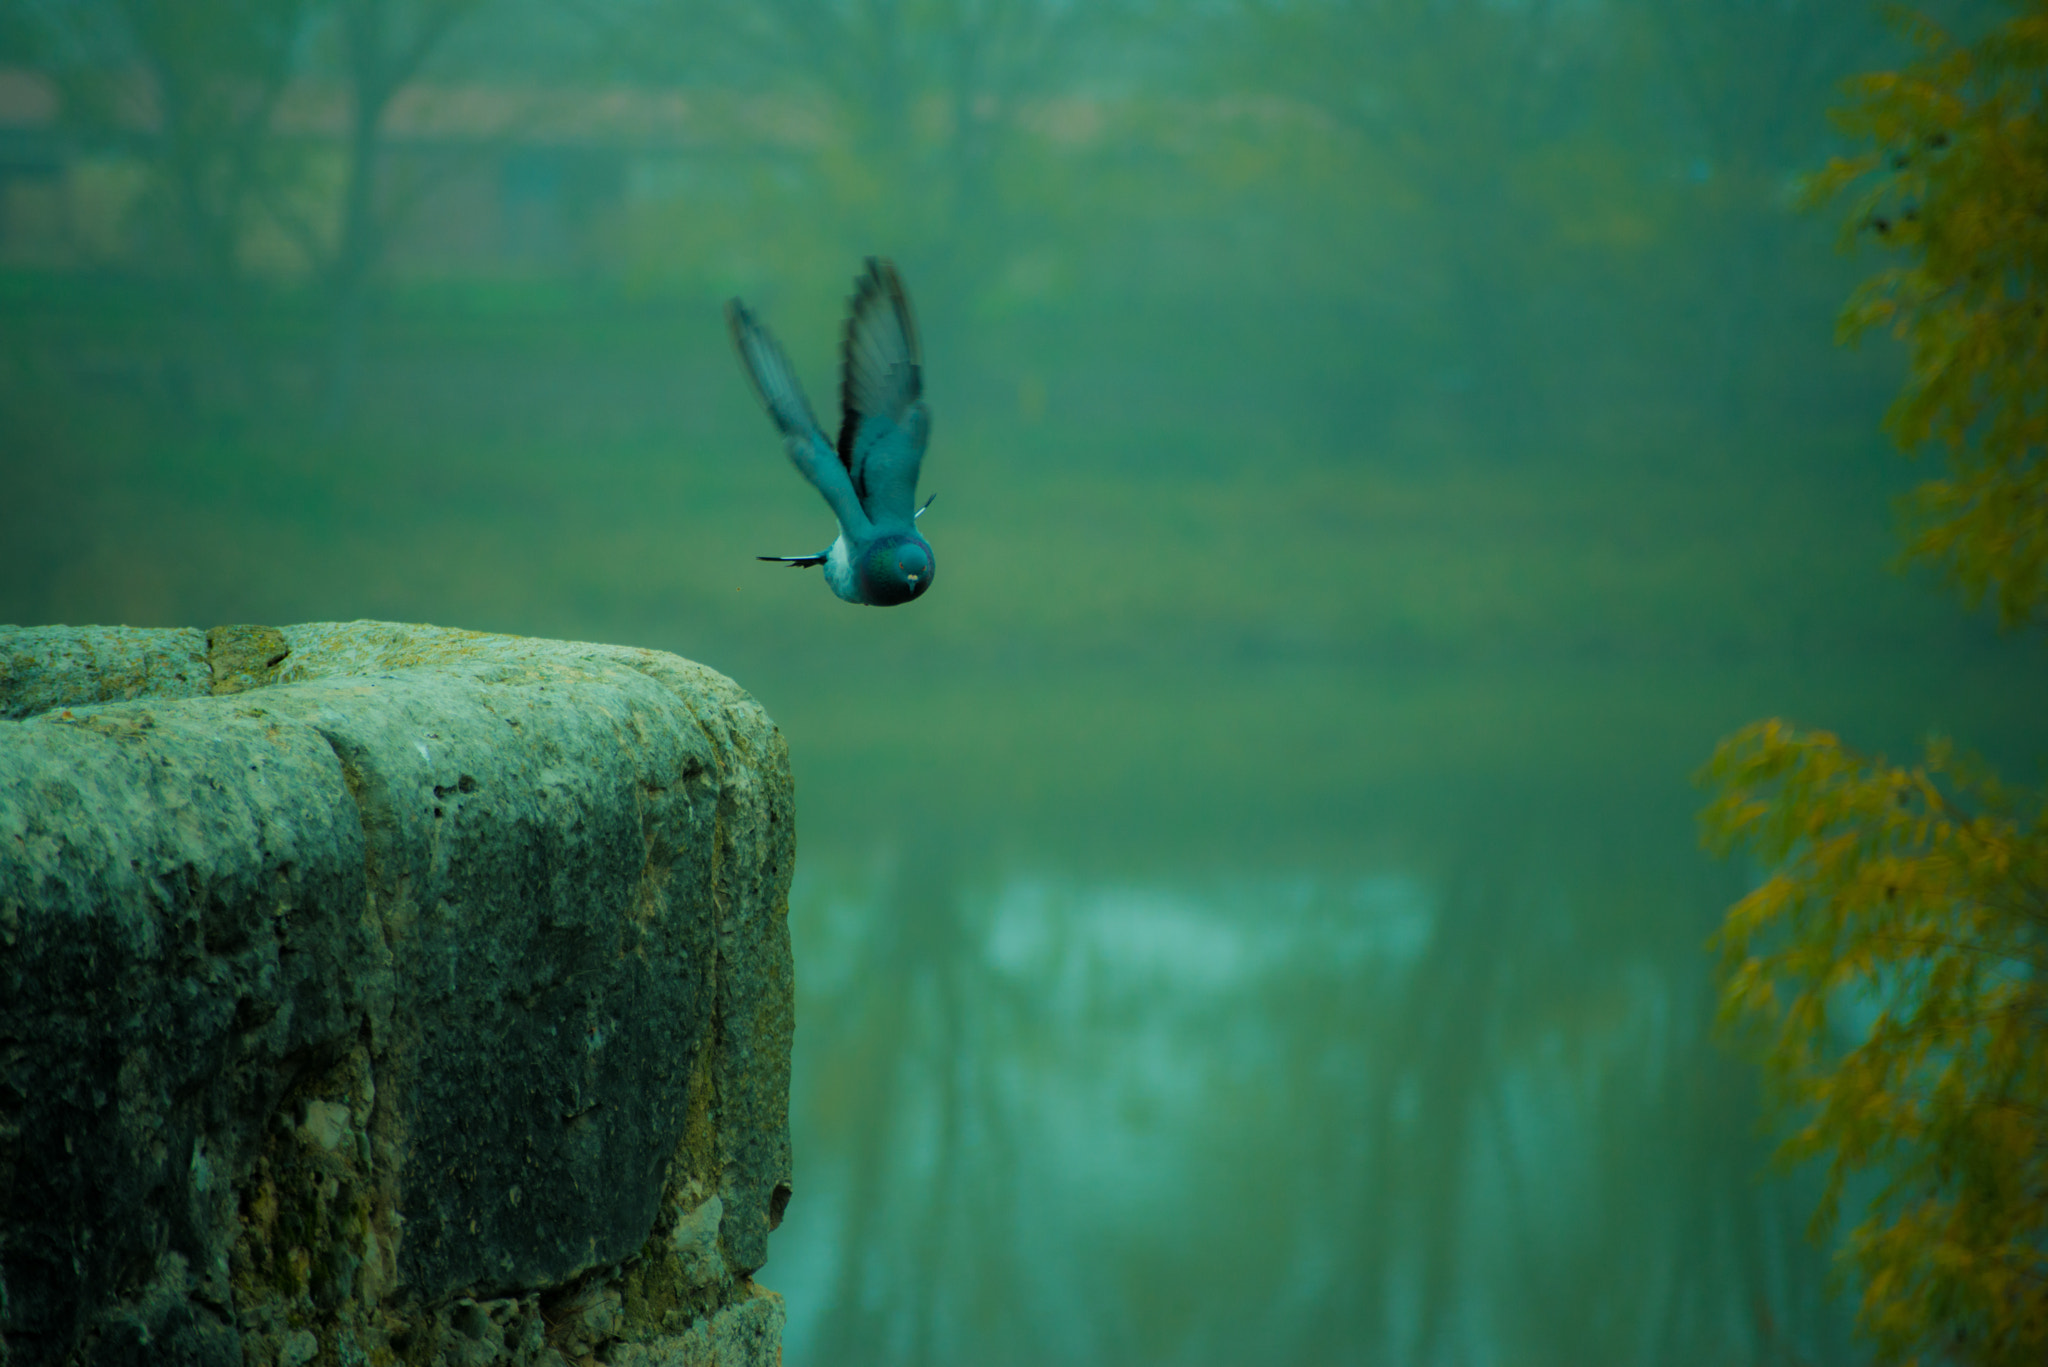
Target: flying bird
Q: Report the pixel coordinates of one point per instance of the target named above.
(870, 478)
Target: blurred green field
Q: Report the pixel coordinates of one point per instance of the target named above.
(1269, 647)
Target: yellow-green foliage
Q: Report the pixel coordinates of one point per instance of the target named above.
(1955, 182)
(1892, 972)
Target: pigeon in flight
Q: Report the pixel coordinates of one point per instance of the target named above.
(870, 479)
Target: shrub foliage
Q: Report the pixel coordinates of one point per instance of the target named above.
(1891, 972)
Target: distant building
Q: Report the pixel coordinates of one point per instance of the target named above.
(472, 179)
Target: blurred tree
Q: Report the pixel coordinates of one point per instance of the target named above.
(1893, 970)
(1733, 81)
(194, 90)
(384, 44)
(922, 103)
(1480, 123)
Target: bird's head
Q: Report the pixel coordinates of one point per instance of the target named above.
(896, 569)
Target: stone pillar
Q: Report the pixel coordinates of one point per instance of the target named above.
(378, 993)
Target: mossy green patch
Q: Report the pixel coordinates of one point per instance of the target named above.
(317, 1238)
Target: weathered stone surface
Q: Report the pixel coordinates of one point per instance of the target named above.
(420, 995)
(46, 667)
(244, 657)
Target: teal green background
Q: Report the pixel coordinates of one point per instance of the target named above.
(1250, 910)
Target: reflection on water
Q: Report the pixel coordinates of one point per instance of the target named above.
(1390, 1116)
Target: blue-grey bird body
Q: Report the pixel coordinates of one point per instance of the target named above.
(869, 479)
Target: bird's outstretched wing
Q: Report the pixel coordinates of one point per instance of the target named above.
(776, 383)
(883, 425)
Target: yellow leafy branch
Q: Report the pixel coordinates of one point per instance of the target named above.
(1955, 183)
(1895, 1003)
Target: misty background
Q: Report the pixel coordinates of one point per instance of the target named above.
(1250, 911)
